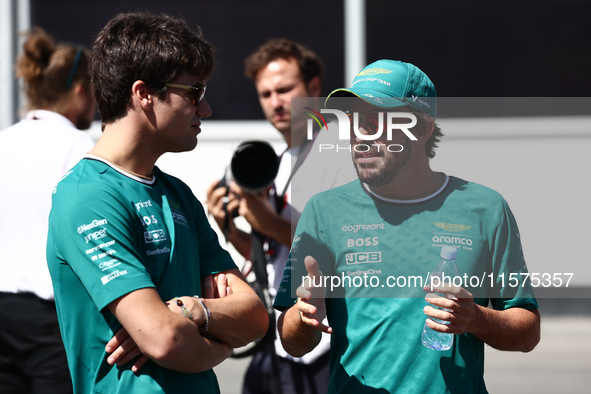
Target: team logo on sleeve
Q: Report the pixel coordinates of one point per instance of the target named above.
(106, 265)
(101, 247)
(113, 275)
(95, 223)
(96, 235)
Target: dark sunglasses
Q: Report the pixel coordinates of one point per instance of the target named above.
(197, 92)
(372, 121)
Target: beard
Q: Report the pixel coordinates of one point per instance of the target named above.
(383, 171)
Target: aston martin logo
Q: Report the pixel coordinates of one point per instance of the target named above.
(374, 71)
(452, 227)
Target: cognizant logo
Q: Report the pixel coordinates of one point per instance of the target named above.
(364, 226)
(344, 124)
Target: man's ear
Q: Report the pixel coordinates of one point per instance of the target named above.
(79, 90)
(141, 96)
(429, 128)
(77, 102)
(314, 87)
(80, 96)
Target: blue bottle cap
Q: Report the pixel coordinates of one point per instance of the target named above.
(449, 253)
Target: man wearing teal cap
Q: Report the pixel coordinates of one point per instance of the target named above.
(390, 84)
(391, 225)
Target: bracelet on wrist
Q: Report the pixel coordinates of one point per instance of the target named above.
(184, 309)
(205, 325)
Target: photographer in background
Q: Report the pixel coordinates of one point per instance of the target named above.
(281, 70)
(34, 154)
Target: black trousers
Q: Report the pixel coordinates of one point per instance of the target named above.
(32, 355)
(295, 378)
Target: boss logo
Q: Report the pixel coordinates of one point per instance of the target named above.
(369, 241)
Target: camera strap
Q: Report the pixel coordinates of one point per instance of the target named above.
(258, 257)
(304, 151)
(225, 201)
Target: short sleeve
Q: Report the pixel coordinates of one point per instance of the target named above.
(512, 288)
(94, 234)
(309, 240)
(213, 258)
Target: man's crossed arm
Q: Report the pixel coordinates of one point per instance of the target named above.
(161, 332)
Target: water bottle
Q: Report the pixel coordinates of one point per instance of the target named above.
(448, 269)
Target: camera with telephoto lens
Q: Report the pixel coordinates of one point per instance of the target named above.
(253, 167)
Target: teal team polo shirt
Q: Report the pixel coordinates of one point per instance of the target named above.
(111, 233)
(378, 249)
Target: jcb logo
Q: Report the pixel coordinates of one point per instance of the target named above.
(363, 257)
(154, 236)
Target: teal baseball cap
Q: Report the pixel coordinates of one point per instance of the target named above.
(390, 84)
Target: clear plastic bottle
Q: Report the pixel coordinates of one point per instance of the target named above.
(448, 269)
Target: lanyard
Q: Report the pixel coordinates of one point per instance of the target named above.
(304, 151)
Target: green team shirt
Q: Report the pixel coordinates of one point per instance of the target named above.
(111, 233)
(379, 250)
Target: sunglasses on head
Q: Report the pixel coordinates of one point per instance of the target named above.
(197, 92)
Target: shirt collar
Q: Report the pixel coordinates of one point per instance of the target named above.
(42, 114)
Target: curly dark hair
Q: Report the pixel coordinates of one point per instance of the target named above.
(433, 142)
(147, 47)
(309, 63)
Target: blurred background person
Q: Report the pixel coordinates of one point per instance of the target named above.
(281, 69)
(34, 154)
